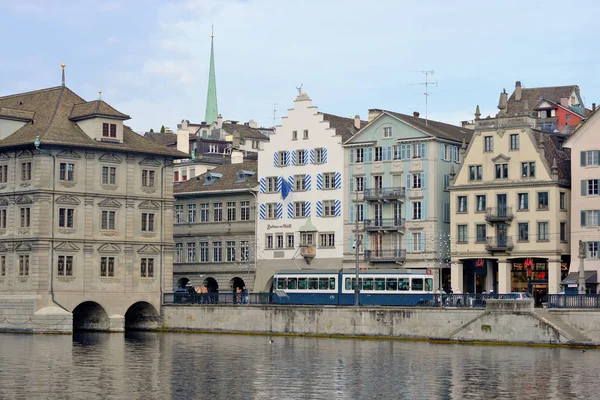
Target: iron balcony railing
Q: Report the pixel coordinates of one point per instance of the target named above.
(384, 224)
(376, 256)
(573, 300)
(190, 297)
(498, 214)
(498, 243)
(394, 193)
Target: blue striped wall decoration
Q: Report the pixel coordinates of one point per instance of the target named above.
(263, 185)
(275, 159)
(319, 208)
(279, 212)
(307, 204)
(290, 210)
(263, 211)
(338, 180)
(337, 211)
(312, 156)
(278, 189)
(293, 158)
(307, 181)
(319, 181)
(324, 156)
(287, 158)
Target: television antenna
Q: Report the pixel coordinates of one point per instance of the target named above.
(427, 83)
(274, 113)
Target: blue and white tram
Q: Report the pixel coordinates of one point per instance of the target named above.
(377, 287)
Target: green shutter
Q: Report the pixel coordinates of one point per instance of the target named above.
(584, 187)
(583, 218)
(583, 161)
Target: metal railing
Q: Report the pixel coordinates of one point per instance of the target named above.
(385, 193)
(394, 255)
(573, 301)
(498, 214)
(384, 224)
(494, 243)
(216, 298)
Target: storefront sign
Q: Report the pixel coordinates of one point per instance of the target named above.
(282, 226)
(479, 263)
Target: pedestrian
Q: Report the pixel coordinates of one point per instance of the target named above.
(245, 295)
(458, 293)
(204, 293)
(238, 295)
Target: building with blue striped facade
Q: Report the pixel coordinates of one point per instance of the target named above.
(397, 187)
(301, 192)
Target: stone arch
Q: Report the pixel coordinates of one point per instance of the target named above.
(269, 286)
(212, 285)
(236, 282)
(141, 316)
(90, 316)
(182, 282)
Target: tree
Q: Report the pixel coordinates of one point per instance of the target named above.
(162, 129)
(151, 130)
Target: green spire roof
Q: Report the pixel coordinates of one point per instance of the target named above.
(211, 97)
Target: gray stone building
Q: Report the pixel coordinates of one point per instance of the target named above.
(214, 230)
(83, 199)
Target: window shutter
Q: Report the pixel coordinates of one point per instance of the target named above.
(389, 153)
(423, 210)
(442, 151)
(351, 243)
(368, 154)
(337, 208)
(290, 210)
(408, 212)
(307, 182)
(598, 155)
(407, 181)
(351, 156)
(583, 159)
(351, 213)
(275, 159)
(311, 159)
(306, 160)
(307, 204)
(291, 183)
(293, 161)
(338, 180)
(423, 183)
(263, 185)
(583, 218)
(319, 181)
(351, 184)
(408, 243)
(287, 158)
(423, 150)
(584, 187)
(263, 211)
(279, 183)
(319, 208)
(279, 213)
(422, 241)
(365, 242)
(324, 156)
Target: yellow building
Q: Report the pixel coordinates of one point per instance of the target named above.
(510, 208)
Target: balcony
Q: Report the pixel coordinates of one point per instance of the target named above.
(385, 256)
(385, 194)
(384, 224)
(498, 214)
(495, 244)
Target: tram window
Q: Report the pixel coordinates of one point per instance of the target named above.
(391, 284)
(348, 284)
(292, 283)
(313, 283)
(429, 284)
(360, 281)
(379, 283)
(368, 284)
(323, 283)
(417, 284)
(331, 283)
(403, 284)
(281, 283)
(302, 283)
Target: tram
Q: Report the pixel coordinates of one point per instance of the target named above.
(332, 287)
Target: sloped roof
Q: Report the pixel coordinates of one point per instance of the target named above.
(530, 97)
(436, 128)
(226, 182)
(553, 151)
(52, 108)
(96, 108)
(16, 114)
(245, 131)
(343, 126)
(167, 139)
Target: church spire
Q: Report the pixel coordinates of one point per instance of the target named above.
(211, 97)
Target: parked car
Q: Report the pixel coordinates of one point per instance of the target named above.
(184, 294)
(516, 296)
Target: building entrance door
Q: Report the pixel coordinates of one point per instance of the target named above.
(539, 291)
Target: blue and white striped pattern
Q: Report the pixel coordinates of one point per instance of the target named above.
(306, 161)
(324, 156)
(293, 158)
(263, 211)
(279, 183)
(337, 183)
(290, 180)
(290, 210)
(319, 181)
(312, 156)
(307, 181)
(319, 208)
(287, 158)
(263, 185)
(337, 211)
(307, 204)
(279, 211)
(275, 159)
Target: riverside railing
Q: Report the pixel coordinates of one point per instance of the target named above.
(573, 301)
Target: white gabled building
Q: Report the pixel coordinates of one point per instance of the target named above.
(304, 230)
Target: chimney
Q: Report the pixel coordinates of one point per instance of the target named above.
(235, 145)
(252, 124)
(593, 107)
(416, 114)
(373, 113)
(183, 141)
(518, 93)
(184, 124)
(357, 122)
(237, 157)
(219, 121)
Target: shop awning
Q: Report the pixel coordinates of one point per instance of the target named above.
(573, 278)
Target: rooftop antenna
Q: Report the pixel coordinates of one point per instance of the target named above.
(427, 94)
(274, 113)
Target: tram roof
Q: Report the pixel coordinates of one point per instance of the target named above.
(347, 272)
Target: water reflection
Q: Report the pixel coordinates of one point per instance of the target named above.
(142, 365)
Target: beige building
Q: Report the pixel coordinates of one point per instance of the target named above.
(510, 209)
(83, 199)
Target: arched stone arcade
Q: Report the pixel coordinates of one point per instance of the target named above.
(141, 316)
(90, 316)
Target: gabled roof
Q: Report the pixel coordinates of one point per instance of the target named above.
(343, 126)
(21, 115)
(227, 181)
(96, 108)
(530, 97)
(587, 124)
(245, 131)
(52, 123)
(553, 151)
(555, 104)
(167, 139)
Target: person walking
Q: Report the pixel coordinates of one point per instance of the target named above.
(245, 295)
(204, 293)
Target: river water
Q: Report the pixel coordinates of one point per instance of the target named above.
(143, 365)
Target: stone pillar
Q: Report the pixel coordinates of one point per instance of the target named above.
(554, 276)
(456, 276)
(504, 281)
(116, 323)
(489, 278)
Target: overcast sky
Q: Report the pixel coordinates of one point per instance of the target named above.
(150, 58)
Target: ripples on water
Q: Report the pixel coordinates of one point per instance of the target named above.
(193, 366)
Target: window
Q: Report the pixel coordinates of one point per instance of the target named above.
(475, 172)
(488, 143)
(590, 218)
(523, 201)
(107, 266)
(416, 210)
(279, 240)
(592, 249)
(329, 180)
(3, 215)
(3, 173)
(462, 234)
(109, 130)
(108, 220)
(446, 211)
(514, 141)
(231, 210)
(245, 210)
(592, 187)
(417, 181)
(590, 157)
(289, 238)
(528, 169)
(378, 153)
(65, 266)
(360, 155)
(26, 171)
(294, 135)
(501, 171)
(147, 267)
(360, 209)
(2, 265)
(271, 210)
(272, 184)
(387, 132)
(282, 158)
(244, 250)
(327, 240)
(319, 156)
(300, 157)
(217, 212)
(24, 265)
(328, 208)
(542, 201)
(299, 209)
(148, 222)
(462, 204)
(269, 241)
(213, 149)
(191, 252)
(203, 252)
(563, 200)
(147, 178)
(305, 134)
(184, 176)
(523, 231)
(360, 183)
(542, 231)
(109, 175)
(299, 182)
(66, 171)
(481, 202)
(65, 217)
(179, 213)
(417, 244)
(446, 184)
(25, 217)
(192, 174)
(178, 252)
(418, 150)
(481, 233)
(217, 252)
(191, 213)
(230, 250)
(563, 231)
(176, 176)
(397, 152)
(307, 239)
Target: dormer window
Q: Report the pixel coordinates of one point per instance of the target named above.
(211, 177)
(109, 130)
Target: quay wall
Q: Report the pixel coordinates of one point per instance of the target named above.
(18, 314)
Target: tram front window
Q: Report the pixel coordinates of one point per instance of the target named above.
(417, 284)
(403, 284)
(292, 283)
(302, 283)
